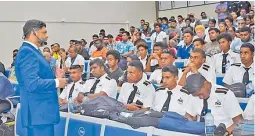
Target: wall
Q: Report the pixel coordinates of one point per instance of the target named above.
(208, 9)
(81, 20)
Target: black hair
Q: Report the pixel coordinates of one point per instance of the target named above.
(109, 36)
(75, 67)
(202, 13)
(234, 29)
(114, 53)
(188, 19)
(132, 27)
(226, 36)
(122, 29)
(200, 51)
(173, 20)
(102, 34)
(180, 16)
(142, 44)
(214, 29)
(247, 16)
(159, 18)
(127, 33)
(97, 61)
(95, 35)
(212, 20)
(229, 18)
(188, 31)
(165, 18)
(143, 20)
(31, 25)
(137, 64)
(248, 45)
(157, 24)
(56, 44)
(16, 50)
(199, 40)
(245, 29)
(102, 31)
(172, 69)
(170, 52)
(160, 44)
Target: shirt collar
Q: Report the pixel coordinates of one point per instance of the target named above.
(103, 76)
(251, 66)
(144, 58)
(32, 44)
(229, 52)
(174, 90)
(140, 82)
(78, 82)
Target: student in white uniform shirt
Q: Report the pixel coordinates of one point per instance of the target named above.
(166, 58)
(137, 93)
(205, 95)
(249, 110)
(222, 61)
(170, 97)
(101, 85)
(142, 48)
(242, 72)
(197, 65)
(200, 43)
(158, 36)
(74, 88)
(74, 58)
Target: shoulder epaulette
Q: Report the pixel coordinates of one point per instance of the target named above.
(108, 78)
(209, 55)
(91, 77)
(160, 88)
(183, 69)
(82, 82)
(184, 91)
(206, 66)
(221, 90)
(146, 83)
(236, 64)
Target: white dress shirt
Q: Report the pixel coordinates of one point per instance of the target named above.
(78, 87)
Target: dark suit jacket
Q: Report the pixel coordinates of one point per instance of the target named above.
(38, 92)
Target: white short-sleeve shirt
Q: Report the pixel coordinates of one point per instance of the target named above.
(236, 72)
(106, 84)
(249, 110)
(156, 75)
(79, 60)
(178, 100)
(78, 87)
(158, 37)
(231, 59)
(223, 104)
(145, 93)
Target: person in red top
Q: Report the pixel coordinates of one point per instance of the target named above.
(119, 36)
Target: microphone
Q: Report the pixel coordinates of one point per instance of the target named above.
(220, 130)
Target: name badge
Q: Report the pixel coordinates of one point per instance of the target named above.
(218, 103)
(180, 100)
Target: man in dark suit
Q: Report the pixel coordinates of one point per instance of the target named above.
(38, 84)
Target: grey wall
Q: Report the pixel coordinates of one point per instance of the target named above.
(81, 20)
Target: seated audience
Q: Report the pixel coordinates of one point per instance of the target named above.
(200, 44)
(184, 50)
(200, 32)
(154, 59)
(112, 68)
(205, 95)
(81, 50)
(173, 31)
(158, 35)
(212, 47)
(222, 61)
(74, 58)
(197, 65)
(167, 58)
(99, 85)
(74, 88)
(142, 52)
(242, 72)
(101, 50)
(137, 93)
(6, 90)
(222, 27)
(171, 96)
(245, 37)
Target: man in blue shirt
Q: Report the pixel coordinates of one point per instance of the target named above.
(185, 49)
(245, 37)
(125, 49)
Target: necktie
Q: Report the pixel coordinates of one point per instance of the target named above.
(71, 91)
(204, 110)
(132, 95)
(224, 63)
(93, 88)
(246, 76)
(167, 102)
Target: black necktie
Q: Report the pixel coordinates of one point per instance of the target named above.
(93, 88)
(71, 91)
(132, 95)
(167, 102)
(224, 63)
(204, 110)
(246, 76)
